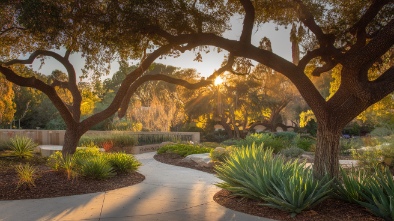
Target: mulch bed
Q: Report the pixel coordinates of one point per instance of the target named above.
(329, 210)
(50, 183)
(176, 160)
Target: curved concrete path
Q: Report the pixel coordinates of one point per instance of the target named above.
(167, 193)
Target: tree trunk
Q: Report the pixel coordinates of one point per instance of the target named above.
(71, 139)
(226, 127)
(327, 151)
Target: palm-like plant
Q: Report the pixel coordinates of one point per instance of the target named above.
(22, 147)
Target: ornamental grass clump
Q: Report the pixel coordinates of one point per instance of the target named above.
(123, 163)
(254, 172)
(26, 175)
(67, 164)
(91, 163)
(374, 191)
(97, 168)
(22, 147)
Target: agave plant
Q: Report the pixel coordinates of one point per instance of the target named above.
(297, 192)
(22, 147)
(349, 188)
(378, 193)
(254, 172)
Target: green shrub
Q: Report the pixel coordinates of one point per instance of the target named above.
(68, 165)
(183, 149)
(22, 147)
(55, 161)
(122, 162)
(378, 193)
(220, 153)
(96, 168)
(216, 136)
(292, 152)
(268, 139)
(26, 175)
(304, 143)
(381, 132)
(254, 172)
(298, 192)
(71, 165)
(118, 140)
(286, 135)
(229, 142)
(82, 154)
(346, 145)
(373, 191)
(369, 157)
(349, 187)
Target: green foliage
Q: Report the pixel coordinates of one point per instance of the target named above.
(144, 139)
(292, 152)
(298, 192)
(183, 149)
(85, 153)
(68, 165)
(378, 193)
(369, 157)
(220, 153)
(349, 187)
(97, 168)
(230, 142)
(123, 163)
(55, 161)
(22, 147)
(26, 175)
(286, 135)
(346, 145)
(268, 139)
(304, 143)
(374, 191)
(382, 131)
(92, 163)
(118, 140)
(216, 136)
(254, 172)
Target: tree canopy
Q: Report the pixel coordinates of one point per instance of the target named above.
(354, 36)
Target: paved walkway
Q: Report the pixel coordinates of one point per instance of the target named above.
(167, 193)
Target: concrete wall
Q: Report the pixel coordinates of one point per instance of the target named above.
(56, 137)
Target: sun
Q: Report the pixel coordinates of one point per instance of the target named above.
(218, 80)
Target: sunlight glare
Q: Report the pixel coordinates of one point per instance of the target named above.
(218, 80)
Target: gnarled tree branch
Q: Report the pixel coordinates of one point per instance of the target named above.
(72, 79)
(247, 29)
(123, 92)
(40, 85)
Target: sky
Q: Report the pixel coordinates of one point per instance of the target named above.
(280, 40)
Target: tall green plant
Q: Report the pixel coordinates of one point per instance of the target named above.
(378, 193)
(22, 147)
(122, 162)
(97, 168)
(254, 172)
(372, 190)
(349, 187)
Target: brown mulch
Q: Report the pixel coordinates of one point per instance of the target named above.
(49, 183)
(176, 160)
(329, 210)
